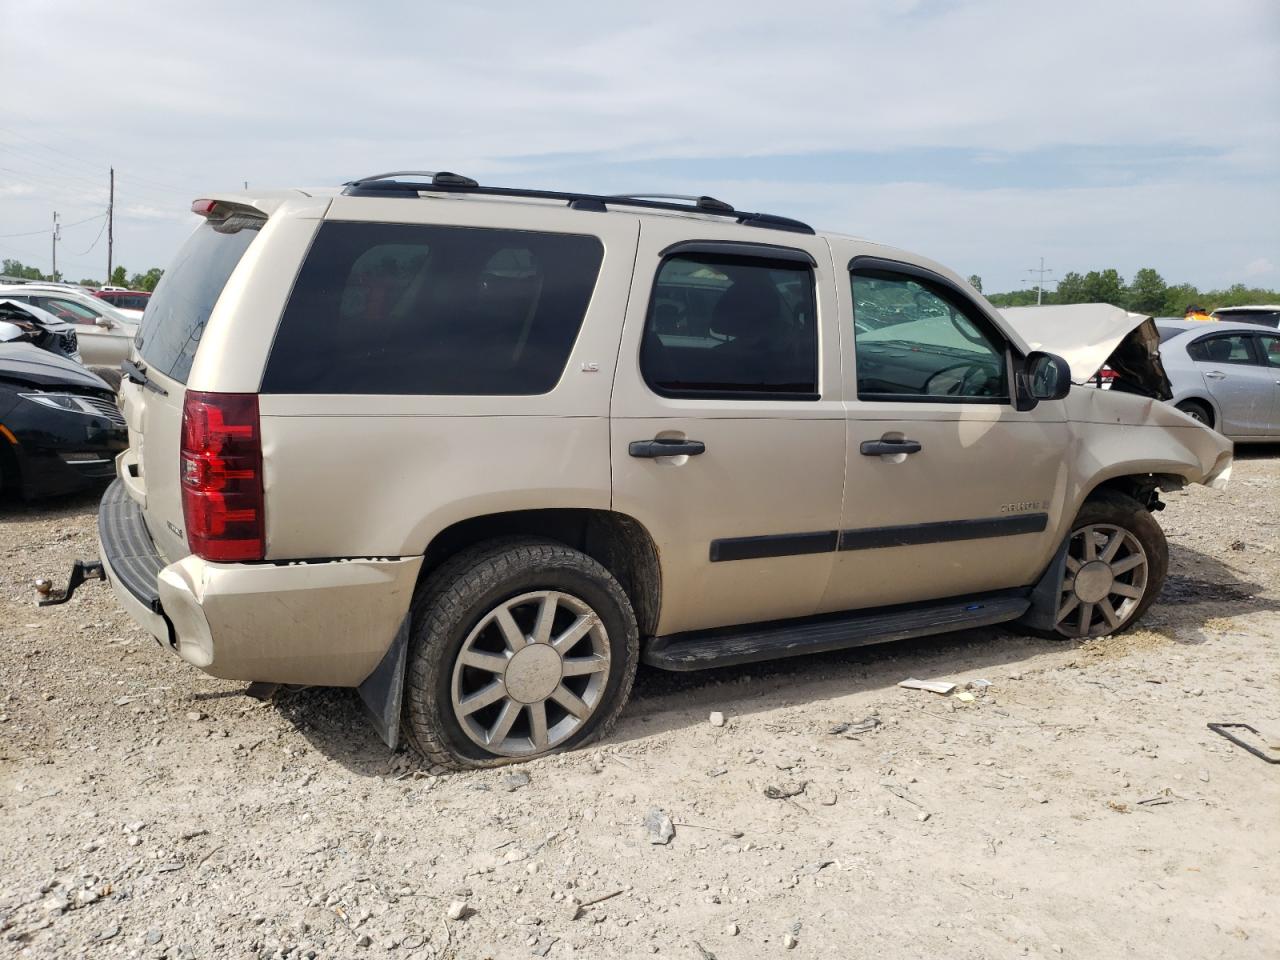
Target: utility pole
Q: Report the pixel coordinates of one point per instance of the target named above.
(56, 234)
(1040, 275)
(111, 212)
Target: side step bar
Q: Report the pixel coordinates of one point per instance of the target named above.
(768, 641)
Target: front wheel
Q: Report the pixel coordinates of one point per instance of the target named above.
(1117, 558)
(518, 649)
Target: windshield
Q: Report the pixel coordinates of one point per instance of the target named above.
(180, 307)
(1267, 318)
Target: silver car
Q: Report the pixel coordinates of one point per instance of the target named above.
(1226, 375)
(105, 333)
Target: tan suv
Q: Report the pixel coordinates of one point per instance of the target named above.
(479, 451)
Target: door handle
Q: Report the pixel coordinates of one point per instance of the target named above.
(1215, 375)
(665, 447)
(881, 448)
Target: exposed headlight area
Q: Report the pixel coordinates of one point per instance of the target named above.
(77, 403)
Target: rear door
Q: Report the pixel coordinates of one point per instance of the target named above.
(165, 349)
(1269, 353)
(727, 432)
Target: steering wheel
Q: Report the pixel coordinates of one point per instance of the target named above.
(974, 382)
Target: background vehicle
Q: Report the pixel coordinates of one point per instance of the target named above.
(1226, 376)
(1267, 315)
(26, 323)
(129, 302)
(60, 429)
(477, 458)
(104, 332)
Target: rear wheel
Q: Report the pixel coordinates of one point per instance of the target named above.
(518, 649)
(1116, 563)
(1197, 411)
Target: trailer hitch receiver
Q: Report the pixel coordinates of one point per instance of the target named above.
(81, 571)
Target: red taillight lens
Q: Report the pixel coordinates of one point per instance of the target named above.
(1106, 373)
(221, 476)
(203, 207)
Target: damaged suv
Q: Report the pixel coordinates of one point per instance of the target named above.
(478, 452)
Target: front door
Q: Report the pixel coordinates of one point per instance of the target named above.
(1242, 387)
(950, 491)
(727, 428)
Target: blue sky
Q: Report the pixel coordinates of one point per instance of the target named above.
(983, 134)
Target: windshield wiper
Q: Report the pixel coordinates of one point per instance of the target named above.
(139, 376)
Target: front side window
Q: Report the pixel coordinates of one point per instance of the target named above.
(1224, 349)
(914, 340)
(731, 327)
(381, 308)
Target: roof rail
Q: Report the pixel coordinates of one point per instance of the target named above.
(387, 185)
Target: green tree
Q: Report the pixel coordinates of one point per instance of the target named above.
(1071, 289)
(1014, 298)
(119, 277)
(146, 281)
(19, 270)
(1178, 298)
(1146, 292)
(1106, 286)
(975, 281)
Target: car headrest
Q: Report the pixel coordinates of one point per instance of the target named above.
(1218, 349)
(749, 309)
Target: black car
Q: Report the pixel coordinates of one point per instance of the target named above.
(60, 429)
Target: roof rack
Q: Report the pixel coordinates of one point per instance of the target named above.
(388, 185)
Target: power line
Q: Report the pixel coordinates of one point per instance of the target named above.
(101, 230)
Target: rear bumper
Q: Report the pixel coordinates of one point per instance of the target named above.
(325, 623)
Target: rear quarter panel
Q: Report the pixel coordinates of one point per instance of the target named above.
(380, 475)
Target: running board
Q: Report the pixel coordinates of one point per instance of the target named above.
(751, 643)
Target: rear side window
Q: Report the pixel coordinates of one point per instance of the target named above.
(179, 309)
(384, 308)
(1270, 347)
(1267, 318)
(728, 327)
(1224, 349)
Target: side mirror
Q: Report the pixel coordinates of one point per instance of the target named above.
(104, 322)
(1044, 376)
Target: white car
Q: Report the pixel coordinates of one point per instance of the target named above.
(103, 331)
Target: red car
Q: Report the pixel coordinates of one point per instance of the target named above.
(124, 299)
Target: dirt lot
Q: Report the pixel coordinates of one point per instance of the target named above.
(1077, 807)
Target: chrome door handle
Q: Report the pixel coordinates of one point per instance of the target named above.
(1215, 375)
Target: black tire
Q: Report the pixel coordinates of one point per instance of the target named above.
(1114, 509)
(459, 595)
(1197, 411)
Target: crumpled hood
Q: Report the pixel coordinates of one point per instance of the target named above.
(1088, 335)
(1083, 334)
(26, 364)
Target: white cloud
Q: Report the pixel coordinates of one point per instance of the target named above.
(292, 93)
(1259, 267)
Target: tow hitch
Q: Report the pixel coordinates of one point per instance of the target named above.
(81, 571)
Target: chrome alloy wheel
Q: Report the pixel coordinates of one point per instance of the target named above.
(1103, 583)
(531, 673)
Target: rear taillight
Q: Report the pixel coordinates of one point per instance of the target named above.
(221, 475)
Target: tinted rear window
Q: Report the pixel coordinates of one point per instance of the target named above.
(179, 309)
(410, 309)
(1266, 318)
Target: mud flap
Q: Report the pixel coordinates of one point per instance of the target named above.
(1043, 612)
(383, 690)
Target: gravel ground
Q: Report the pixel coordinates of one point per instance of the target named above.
(1077, 807)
